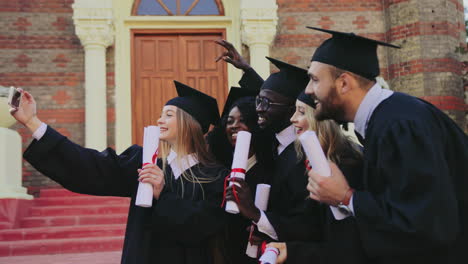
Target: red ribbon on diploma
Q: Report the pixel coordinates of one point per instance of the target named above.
(153, 159)
(307, 165)
(228, 177)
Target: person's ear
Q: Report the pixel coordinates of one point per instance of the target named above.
(344, 83)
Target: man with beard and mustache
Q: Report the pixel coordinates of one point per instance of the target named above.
(411, 206)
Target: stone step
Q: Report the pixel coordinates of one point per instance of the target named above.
(60, 232)
(61, 246)
(78, 210)
(80, 200)
(47, 193)
(74, 220)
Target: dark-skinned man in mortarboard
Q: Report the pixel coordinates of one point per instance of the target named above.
(275, 106)
(412, 206)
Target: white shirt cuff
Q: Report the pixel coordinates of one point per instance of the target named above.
(265, 226)
(350, 206)
(40, 131)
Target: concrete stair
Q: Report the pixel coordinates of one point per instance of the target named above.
(62, 222)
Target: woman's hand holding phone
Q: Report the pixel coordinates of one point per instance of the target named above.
(26, 111)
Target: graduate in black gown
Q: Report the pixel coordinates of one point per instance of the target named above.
(411, 206)
(335, 234)
(287, 204)
(187, 184)
(239, 115)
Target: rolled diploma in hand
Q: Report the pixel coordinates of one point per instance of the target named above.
(269, 256)
(262, 195)
(144, 196)
(318, 161)
(239, 161)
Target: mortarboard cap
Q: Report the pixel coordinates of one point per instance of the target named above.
(200, 106)
(306, 99)
(236, 93)
(289, 81)
(350, 52)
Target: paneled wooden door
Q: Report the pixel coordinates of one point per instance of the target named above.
(160, 58)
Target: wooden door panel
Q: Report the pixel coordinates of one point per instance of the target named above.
(161, 58)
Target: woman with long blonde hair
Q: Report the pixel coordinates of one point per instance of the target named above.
(337, 146)
(343, 234)
(187, 184)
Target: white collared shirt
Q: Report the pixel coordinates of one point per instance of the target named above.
(285, 137)
(373, 98)
(251, 162)
(40, 131)
(187, 162)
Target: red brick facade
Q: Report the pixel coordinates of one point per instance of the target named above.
(40, 52)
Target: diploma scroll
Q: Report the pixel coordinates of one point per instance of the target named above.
(239, 162)
(144, 196)
(262, 195)
(269, 256)
(318, 162)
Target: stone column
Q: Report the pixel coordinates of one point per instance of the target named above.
(10, 155)
(258, 26)
(94, 27)
(428, 64)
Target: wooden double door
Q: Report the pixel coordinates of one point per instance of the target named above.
(159, 58)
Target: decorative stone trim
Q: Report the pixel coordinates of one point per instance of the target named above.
(94, 26)
(258, 26)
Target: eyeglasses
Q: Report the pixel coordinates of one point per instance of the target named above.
(264, 103)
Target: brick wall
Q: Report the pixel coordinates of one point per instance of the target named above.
(40, 52)
(429, 33)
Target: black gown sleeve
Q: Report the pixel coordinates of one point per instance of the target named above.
(191, 221)
(412, 204)
(83, 170)
(251, 80)
(296, 218)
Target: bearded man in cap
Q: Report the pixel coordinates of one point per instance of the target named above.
(411, 207)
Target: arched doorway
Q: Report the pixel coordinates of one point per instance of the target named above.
(152, 49)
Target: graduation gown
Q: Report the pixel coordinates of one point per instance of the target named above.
(251, 80)
(340, 240)
(288, 205)
(178, 228)
(412, 207)
(237, 235)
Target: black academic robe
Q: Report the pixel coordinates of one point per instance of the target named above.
(178, 228)
(237, 235)
(287, 205)
(340, 239)
(251, 80)
(412, 207)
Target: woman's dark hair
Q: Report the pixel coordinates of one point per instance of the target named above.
(218, 141)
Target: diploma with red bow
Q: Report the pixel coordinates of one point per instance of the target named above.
(262, 195)
(318, 161)
(269, 256)
(144, 196)
(239, 164)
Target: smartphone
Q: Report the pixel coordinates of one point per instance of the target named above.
(14, 97)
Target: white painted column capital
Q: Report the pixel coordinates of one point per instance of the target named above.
(258, 24)
(94, 27)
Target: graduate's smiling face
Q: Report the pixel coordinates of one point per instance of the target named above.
(274, 110)
(235, 123)
(168, 124)
(299, 119)
(323, 87)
